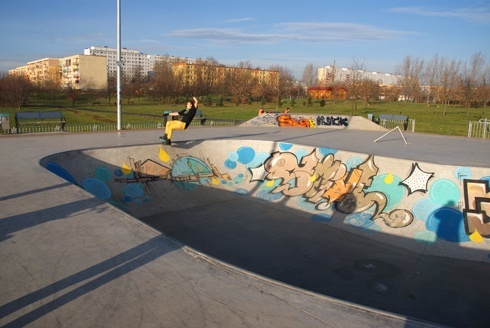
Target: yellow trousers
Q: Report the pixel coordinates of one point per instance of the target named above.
(173, 125)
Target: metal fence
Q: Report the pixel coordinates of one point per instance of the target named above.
(113, 126)
(404, 125)
(479, 129)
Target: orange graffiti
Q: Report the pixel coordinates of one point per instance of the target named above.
(287, 120)
(343, 186)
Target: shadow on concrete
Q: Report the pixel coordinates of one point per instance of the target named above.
(91, 278)
(289, 246)
(286, 245)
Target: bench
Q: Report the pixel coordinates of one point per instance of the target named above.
(39, 118)
(396, 119)
(198, 117)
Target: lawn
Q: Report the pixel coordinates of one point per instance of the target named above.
(427, 119)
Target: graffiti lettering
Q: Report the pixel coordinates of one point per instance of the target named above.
(326, 182)
(287, 120)
(330, 120)
(296, 179)
(477, 207)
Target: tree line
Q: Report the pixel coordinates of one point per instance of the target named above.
(162, 85)
(446, 81)
(436, 81)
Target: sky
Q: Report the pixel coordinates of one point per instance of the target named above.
(377, 34)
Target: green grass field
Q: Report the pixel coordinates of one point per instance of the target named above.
(427, 119)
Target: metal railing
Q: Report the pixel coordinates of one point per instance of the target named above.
(404, 125)
(479, 129)
(96, 127)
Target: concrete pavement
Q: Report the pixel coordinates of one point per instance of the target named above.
(71, 259)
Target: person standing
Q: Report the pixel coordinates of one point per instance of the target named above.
(187, 116)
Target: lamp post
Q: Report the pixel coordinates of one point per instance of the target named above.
(119, 64)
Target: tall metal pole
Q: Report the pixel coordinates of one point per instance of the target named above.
(119, 68)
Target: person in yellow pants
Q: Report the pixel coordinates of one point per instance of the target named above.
(187, 116)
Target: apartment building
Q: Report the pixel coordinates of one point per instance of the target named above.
(21, 70)
(92, 69)
(190, 72)
(331, 74)
(40, 70)
(83, 72)
(132, 60)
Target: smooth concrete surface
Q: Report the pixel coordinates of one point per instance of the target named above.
(72, 260)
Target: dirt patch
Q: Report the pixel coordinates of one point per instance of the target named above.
(72, 110)
(98, 118)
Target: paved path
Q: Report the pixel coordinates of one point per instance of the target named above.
(70, 260)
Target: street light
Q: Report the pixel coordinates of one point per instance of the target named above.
(119, 64)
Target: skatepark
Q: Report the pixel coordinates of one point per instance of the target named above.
(251, 226)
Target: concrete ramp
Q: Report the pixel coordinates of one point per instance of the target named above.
(399, 236)
(331, 121)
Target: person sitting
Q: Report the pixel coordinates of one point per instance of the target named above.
(187, 117)
(261, 111)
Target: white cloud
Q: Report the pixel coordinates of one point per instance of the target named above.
(309, 32)
(239, 20)
(217, 34)
(479, 15)
(341, 31)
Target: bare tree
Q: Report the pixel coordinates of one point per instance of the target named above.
(111, 87)
(368, 90)
(72, 93)
(472, 76)
(138, 83)
(15, 90)
(430, 76)
(212, 61)
(354, 86)
(448, 79)
(205, 78)
(240, 83)
(309, 76)
(483, 91)
(285, 83)
(410, 71)
(165, 84)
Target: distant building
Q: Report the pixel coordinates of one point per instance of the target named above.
(77, 71)
(92, 69)
(190, 73)
(83, 72)
(38, 71)
(21, 70)
(335, 75)
(132, 60)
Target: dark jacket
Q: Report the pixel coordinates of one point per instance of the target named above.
(188, 115)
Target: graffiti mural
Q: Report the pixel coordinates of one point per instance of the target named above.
(186, 173)
(287, 120)
(326, 181)
(295, 120)
(332, 121)
(329, 185)
(476, 210)
(417, 180)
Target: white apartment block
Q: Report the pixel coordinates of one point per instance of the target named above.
(332, 74)
(132, 60)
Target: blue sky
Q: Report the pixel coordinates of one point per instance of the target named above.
(379, 34)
